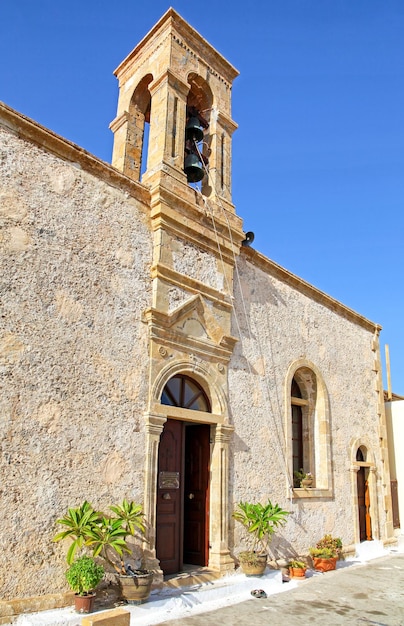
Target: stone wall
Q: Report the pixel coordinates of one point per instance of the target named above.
(75, 278)
(284, 325)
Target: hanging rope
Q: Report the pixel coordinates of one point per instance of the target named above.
(277, 424)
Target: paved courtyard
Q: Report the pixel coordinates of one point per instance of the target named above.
(370, 594)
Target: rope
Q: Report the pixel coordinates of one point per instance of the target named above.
(279, 432)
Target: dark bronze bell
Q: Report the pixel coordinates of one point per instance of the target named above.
(193, 168)
(194, 130)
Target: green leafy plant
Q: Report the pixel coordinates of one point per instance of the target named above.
(79, 522)
(84, 575)
(297, 564)
(260, 521)
(105, 535)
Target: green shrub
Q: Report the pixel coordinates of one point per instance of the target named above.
(84, 575)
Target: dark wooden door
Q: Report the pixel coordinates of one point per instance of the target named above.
(169, 498)
(196, 494)
(365, 522)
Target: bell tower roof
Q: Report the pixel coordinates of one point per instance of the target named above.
(171, 23)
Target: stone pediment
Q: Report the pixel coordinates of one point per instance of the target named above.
(192, 324)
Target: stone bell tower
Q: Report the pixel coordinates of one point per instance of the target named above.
(171, 73)
(174, 109)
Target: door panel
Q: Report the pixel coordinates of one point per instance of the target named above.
(169, 498)
(361, 503)
(196, 494)
(365, 521)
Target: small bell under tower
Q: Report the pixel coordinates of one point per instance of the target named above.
(174, 111)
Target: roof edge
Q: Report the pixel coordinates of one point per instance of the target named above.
(269, 266)
(28, 129)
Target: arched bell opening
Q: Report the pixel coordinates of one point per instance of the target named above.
(138, 129)
(197, 137)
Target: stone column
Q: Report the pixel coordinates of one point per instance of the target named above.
(354, 469)
(219, 186)
(167, 122)
(154, 427)
(219, 554)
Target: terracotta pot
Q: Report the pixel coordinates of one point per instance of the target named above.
(136, 589)
(297, 572)
(255, 566)
(84, 604)
(325, 565)
(307, 482)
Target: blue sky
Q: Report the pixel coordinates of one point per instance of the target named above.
(318, 159)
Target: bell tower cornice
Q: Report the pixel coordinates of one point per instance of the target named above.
(170, 29)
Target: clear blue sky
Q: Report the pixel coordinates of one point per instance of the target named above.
(318, 159)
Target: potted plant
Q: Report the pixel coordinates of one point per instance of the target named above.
(326, 553)
(297, 569)
(260, 522)
(302, 479)
(107, 536)
(83, 576)
(333, 543)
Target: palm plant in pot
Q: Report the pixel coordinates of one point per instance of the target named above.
(107, 535)
(260, 522)
(83, 576)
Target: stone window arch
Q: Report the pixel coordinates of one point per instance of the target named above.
(308, 442)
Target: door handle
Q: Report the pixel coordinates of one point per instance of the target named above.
(166, 496)
(191, 496)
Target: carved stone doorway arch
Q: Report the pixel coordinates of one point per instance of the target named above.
(219, 557)
(363, 484)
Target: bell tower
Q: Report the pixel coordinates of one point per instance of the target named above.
(174, 111)
(173, 134)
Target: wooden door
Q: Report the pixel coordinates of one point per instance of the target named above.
(365, 522)
(169, 498)
(196, 494)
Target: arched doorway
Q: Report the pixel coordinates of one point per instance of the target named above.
(362, 480)
(182, 508)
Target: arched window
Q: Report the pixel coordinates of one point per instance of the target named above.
(308, 426)
(297, 428)
(182, 391)
(361, 455)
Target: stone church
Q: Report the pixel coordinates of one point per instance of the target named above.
(148, 351)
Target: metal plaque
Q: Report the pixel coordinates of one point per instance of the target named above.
(169, 480)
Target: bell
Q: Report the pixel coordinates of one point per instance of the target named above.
(193, 168)
(193, 129)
